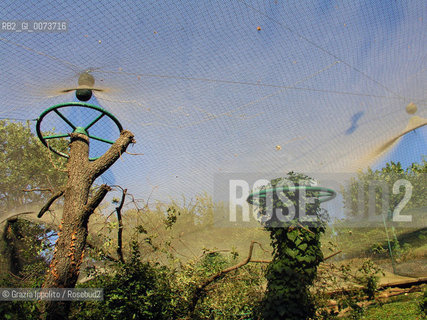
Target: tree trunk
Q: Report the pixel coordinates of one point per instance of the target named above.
(10, 260)
(69, 249)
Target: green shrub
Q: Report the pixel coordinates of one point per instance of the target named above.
(138, 290)
(423, 303)
(236, 295)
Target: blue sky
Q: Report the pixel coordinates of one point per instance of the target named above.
(205, 92)
(411, 148)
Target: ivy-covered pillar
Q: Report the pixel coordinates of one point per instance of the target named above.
(295, 225)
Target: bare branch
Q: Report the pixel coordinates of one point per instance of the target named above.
(120, 231)
(49, 203)
(134, 154)
(96, 200)
(214, 251)
(260, 261)
(15, 276)
(302, 227)
(38, 189)
(99, 166)
(176, 251)
(15, 216)
(332, 255)
(49, 182)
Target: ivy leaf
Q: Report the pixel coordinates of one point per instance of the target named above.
(291, 252)
(302, 246)
(292, 235)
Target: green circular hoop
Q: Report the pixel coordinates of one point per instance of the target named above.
(82, 130)
(325, 194)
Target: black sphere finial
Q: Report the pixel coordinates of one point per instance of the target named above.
(83, 94)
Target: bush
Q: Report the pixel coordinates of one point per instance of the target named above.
(352, 283)
(234, 296)
(16, 310)
(423, 303)
(138, 290)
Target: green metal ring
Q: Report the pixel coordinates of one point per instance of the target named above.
(82, 130)
(325, 193)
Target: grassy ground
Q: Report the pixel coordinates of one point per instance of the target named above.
(371, 242)
(410, 256)
(401, 307)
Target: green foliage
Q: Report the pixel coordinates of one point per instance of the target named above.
(25, 247)
(423, 303)
(352, 282)
(367, 276)
(181, 228)
(365, 282)
(369, 183)
(171, 217)
(371, 242)
(235, 296)
(401, 252)
(142, 290)
(17, 310)
(296, 254)
(183, 236)
(148, 290)
(378, 249)
(25, 164)
(138, 290)
(28, 246)
(400, 307)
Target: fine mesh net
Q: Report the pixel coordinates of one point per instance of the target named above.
(220, 91)
(237, 86)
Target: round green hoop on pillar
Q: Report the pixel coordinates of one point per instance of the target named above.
(324, 194)
(75, 129)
